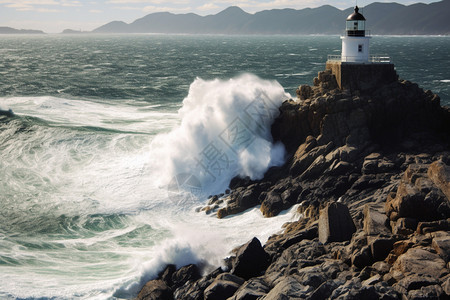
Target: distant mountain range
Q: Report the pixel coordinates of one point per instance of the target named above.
(382, 19)
(9, 30)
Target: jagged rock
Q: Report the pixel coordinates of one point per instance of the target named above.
(251, 290)
(362, 258)
(374, 221)
(272, 204)
(420, 261)
(223, 287)
(304, 92)
(446, 287)
(251, 260)
(166, 274)
(380, 248)
(434, 292)
(414, 282)
(441, 243)
(185, 274)
(335, 223)
(324, 290)
(155, 290)
(194, 290)
(427, 227)
(417, 197)
(352, 147)
(287, 288)
(439, 173)
(381, 267)
(404, 226)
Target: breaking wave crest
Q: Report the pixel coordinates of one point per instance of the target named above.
(224, 132)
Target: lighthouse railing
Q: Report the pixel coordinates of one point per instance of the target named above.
(379, 59)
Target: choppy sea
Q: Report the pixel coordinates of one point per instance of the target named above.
(117, 139)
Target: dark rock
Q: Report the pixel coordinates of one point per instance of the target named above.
(166, 274)
(414, 282)
(420, 261)
(427, 227)
(335, 223)
(304, 92)
(251, 290)
(417, 197)
(223, 287)
(404, 226)
(441, 243)
(155, 290)
(432, 292)
(251, 260)
(185, 274)
(446, 287)
(362, 258)
(374, 221)
(324, 290)
(439, 173)
(272, 204)
(381, 247)
(381, 267)
(287, 288)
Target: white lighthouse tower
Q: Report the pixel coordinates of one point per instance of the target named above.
(355, 43)
(355, 69)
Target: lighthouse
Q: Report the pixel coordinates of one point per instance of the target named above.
(355, 42)
(355, 69)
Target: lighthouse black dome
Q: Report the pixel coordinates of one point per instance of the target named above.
(356, 16)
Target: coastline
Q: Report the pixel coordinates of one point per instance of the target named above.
(370, 169)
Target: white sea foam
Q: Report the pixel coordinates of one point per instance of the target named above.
(224, 132)
(77, 178)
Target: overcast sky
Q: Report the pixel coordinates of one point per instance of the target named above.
(53, 16)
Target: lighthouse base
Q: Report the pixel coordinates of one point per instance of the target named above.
(354, 76)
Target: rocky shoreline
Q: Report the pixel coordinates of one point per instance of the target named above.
(370, 170)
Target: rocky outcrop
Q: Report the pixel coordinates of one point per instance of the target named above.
(370, 175)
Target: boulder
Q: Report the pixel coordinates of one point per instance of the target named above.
(404, 226)
(185, 274)
(427, 227)
(439, 173)
(251, 260)
(287, 288)
(335, 223)
(251, 290)
(362, 257)
(272, 204)
(155, 290)
(441, 243)
(223, 287)
(420, 261)
(166, 274)
(414, 282)
(374, 221)
(380, 247)
(417, 195)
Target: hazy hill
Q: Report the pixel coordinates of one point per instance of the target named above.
(382, 18)
(9, 30)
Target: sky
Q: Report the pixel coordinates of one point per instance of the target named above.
(53, 16)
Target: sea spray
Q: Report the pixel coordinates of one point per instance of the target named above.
(224, 132)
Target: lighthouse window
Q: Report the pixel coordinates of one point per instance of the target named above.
(360, 48)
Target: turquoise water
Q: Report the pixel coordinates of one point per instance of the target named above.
(85, 210)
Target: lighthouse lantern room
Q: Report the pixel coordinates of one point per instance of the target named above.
(355, 43)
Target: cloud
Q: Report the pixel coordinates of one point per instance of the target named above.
(153, 9)
(208, 7)
(176, 2)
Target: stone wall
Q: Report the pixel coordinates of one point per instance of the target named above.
(362, 77)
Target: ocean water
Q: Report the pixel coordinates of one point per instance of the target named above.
(116, 140)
